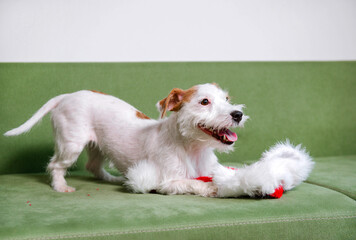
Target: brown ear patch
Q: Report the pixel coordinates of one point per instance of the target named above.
(141, 115)
(175, 100)
(98, 92)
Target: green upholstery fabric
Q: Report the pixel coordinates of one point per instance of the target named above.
(337, 173)
(308, 102)
(109, 210)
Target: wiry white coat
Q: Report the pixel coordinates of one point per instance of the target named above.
(164, 155)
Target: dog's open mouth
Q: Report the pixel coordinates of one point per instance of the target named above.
(225, 136)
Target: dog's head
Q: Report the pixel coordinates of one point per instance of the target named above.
(204, 113)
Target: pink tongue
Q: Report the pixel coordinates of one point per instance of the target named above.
(231, 136)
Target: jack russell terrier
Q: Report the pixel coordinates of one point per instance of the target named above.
(168, 154)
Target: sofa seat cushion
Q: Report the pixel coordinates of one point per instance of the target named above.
(337, 173)
(99, 210)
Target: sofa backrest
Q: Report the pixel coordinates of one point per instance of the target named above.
(313, 103)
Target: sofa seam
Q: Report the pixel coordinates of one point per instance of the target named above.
(335, 189)
(181, 228)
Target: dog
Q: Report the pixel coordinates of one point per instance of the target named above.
(164, 155)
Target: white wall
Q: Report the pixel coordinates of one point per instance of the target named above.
(180, 30)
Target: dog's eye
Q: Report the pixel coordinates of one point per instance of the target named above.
(227, 99)
(205, 101)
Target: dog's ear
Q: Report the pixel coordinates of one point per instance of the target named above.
(174, 100)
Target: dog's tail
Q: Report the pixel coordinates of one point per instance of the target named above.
(36, 117)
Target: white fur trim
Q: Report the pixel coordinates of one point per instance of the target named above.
(282, 165)
(142, 177)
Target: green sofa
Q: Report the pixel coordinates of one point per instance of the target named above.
(313, 103)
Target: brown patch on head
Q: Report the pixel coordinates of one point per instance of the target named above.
(141, 115)
(175, 100)
(216, 85)
(98, 92)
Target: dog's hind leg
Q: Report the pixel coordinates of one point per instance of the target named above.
(95, 165)
(63, 159)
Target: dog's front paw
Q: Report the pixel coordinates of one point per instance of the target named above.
(64, 188)
(211, 190)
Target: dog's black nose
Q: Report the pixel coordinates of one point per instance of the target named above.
(236, 115)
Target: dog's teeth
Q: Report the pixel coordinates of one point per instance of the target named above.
(224, 138)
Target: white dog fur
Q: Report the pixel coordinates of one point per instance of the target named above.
(164, 155)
